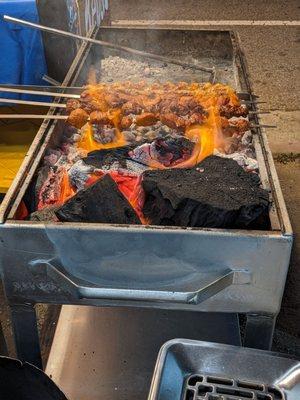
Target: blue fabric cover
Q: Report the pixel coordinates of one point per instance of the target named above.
(22, 60)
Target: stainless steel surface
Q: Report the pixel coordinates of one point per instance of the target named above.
(110, 353)
(32, 116)
(151, 259)
(150, 267)
(43, 88)
(109, 45)
(39, 92)
(222, 372)
(50, 80)
(204, 286)
(42, 261)
(32, 103)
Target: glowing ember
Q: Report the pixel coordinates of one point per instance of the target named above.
(124, 129)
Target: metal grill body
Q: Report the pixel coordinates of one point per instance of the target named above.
(190, 269)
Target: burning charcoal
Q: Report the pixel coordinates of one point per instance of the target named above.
(165, 151)
(114, 159)
(79, 174)
(106, 157)
(104, 134)
(242, 159)
(101, 202)
(47, 214)
(129, 136)
(52, 157)
(217, 193)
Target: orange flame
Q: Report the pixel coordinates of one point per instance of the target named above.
(88, 143)
(66, 190)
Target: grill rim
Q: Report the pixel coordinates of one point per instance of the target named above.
(30, 163)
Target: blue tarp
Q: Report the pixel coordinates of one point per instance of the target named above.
(22, 60)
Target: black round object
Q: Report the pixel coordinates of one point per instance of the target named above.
(23, 381)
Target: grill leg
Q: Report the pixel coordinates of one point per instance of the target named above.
(259, 331)
(25, 332)
(3, 346)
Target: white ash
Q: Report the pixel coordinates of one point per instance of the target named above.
(79, 174)
(141, 133)
(129, 167)
(52, 157)
(103, 134)
(248, 163)
(114, 68)
(247, 138)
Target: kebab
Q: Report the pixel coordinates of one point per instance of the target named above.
(177, 106)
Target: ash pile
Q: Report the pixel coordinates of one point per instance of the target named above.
(138, 162)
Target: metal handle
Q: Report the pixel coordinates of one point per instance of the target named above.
(212, 283)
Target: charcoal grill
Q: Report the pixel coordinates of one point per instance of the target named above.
(146, 266)
(196, 370)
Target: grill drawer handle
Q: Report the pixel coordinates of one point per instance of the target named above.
(212, 285)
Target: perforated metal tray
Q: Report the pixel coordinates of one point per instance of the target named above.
(195, 370)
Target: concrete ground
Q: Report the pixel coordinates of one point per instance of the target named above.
(273, 56)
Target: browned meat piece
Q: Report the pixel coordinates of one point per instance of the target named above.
(100, 118)
(188, 102)
(78, 118)
(151, 103)
(230, 128)
(229, 111)
(131, 107)
(180, 105)
(146, 119)
(172, 121)
(72, 104)
(195, 118)
(89, 103)
(114, 99)
(241, 125)
(126, 122)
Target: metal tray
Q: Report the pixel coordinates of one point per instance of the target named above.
(196, 370)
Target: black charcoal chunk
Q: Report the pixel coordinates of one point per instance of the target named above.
(106, 157)
(46, 214)
(101, 202)
(216, 193)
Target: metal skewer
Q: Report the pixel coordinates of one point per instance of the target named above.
(254, 126)
(41, 88)
(65, 117)
(109, 45)
(253, 102)
(258, 112)
(39, 92)
(35, 89)
(50, 80)
(33, 103)
(32, 116)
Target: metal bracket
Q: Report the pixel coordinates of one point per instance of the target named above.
(210, 283)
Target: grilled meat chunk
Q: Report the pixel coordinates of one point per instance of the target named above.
(126, 122)
(146, 119)
(72, 104)
(230, 111)
(78, 118)
(100, 118)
